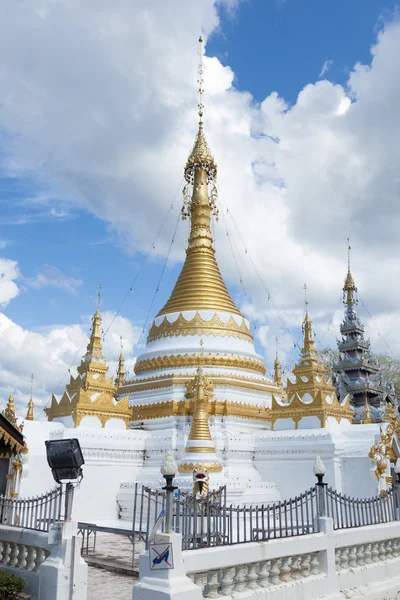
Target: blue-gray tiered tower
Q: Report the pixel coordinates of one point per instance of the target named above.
(357, 373)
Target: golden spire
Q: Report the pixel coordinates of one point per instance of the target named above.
(349, 288)
(308, 343)
(31, 406)
(94, 347)
(9, 411)
(200, 285)
(120, 379)
(200, 429)
(277, 368)
(199, 445)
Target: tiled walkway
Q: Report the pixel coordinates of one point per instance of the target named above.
(107, 585)
(104, 585)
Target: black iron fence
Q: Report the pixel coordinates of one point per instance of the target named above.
(32, 513)
(206, 523)
(349, 512)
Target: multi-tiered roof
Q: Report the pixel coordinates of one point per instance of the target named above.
(357, 373)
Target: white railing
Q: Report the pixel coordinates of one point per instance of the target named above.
(32, 513)
(22, 556)
(257, 576)
(50, 568)
(323, 563)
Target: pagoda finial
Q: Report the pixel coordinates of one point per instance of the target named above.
(99, 297)
(308, 346)
(201, 82)
(277, 367)
(349, 288)
(31, 406)
(94, 348)
(200, 158)
(120, 379)
(9, 411)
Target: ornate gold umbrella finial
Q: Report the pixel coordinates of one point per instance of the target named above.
(31, 406)
(349, 288)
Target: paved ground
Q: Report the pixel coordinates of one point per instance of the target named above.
(115, 552)
(104, 585)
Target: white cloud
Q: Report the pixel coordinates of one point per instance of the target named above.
(50, 353)
(3, 244)
(8, 273)
(325, 67)
(52, 276)
(105, 111)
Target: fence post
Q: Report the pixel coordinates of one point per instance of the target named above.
(164, 579)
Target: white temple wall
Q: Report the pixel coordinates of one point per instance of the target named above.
(309, 423)
(359, 478)
(36, 475)
(66, 421)
(284, 425)
(90, 421)
(288, 457)
(111, 456)
(115, 424)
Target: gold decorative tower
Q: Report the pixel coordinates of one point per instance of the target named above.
(200, 306)
(91, 393)
(200, 448)
(120, 379)
(9, 411)
(31, 406)
(277, 368)
(312, 394)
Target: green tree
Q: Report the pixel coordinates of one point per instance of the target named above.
(390, 367)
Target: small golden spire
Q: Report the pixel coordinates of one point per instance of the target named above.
(349, 288)
(121, 367)
(9, 411)
(31, 406)
(202, 392)
(277, 368)
(367, 413)
(308, 345)
(94, 348)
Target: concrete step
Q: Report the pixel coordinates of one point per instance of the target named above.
(112, 564)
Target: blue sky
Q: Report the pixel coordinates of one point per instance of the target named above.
(72, 222)
(282, 45)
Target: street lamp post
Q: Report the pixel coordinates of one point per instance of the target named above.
(396, 487)
(168, 470)
(319, 472)
(397, 471)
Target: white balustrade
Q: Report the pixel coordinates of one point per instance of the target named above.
(21, 556)
(366, 554)
(255, 577)
(263, 574)
(211, 590)
(227, 583)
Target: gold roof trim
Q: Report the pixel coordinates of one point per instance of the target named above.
(190, 467)
(14, 445)
(217, 408)
(199, 326)
(319, 407)
(222, 379)
(177, 361)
